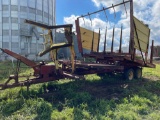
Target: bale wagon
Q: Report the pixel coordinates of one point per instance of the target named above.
(104, 62)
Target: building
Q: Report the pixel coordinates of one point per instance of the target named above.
(156, 51)
(18, 36)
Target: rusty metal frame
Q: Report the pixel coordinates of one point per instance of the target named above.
(46, 26)
(131, 46)
(104, 9)
(53, 48)
(115, 56)
(105, 61)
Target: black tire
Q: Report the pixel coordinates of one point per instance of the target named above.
(138, 73)
(129, 74)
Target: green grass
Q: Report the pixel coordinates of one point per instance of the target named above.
(8, 68)
(95, 98)
(152, 72)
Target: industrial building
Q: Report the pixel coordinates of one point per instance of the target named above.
(18, 36)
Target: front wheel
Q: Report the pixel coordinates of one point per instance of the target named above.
(129, 74)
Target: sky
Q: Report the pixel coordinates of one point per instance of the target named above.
(147, 11)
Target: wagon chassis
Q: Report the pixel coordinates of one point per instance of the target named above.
(105, 62)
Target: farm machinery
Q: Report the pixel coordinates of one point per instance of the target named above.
(104, 61)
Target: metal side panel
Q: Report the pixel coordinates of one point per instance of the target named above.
(141, 35)
(87, 37)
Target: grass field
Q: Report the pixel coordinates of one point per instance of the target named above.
(95, 98)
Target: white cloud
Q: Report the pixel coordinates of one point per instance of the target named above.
(147, 11)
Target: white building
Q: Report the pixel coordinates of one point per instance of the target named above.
(18, 36)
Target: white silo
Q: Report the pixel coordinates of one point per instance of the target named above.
(19, 36)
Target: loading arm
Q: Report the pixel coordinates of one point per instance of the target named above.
(53, 46)
(46, 26)
(23, 59)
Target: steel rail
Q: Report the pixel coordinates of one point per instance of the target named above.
(103, 9)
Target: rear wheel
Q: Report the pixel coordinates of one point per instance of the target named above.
(129, 74)
(138, 73)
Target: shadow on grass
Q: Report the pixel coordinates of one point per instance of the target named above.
(10, 106)
(44, 111)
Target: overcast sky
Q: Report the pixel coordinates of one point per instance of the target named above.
(147, 11)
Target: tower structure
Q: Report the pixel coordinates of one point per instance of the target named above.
(18, 36)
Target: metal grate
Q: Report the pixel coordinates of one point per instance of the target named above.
(40, 46)
(45, 14)
(14, 20)
(5, 19)
(23, 9)
(5, 44)
(39, 12)
(5, 32)
(50, 17)
(33, 45)
(32, 10)
(15, 45)
(5, 7)
(15, 33)
(14, 8)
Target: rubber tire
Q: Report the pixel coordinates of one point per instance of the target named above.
(129, 74)
(138, 73)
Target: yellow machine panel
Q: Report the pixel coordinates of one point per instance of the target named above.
(86, 38)
(141, 35)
